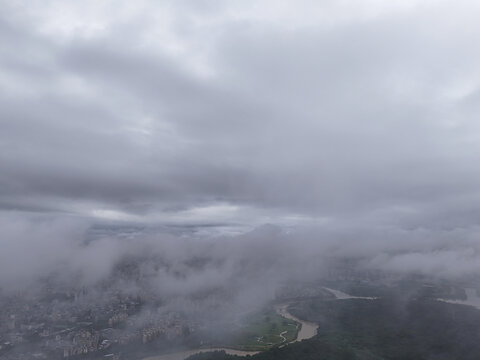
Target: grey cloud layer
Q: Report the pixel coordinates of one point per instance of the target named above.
(370, 119)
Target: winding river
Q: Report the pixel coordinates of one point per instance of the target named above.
(307, 331)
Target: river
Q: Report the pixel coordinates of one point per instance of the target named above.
(340, 295)
(181, 355)
(307, 331)
(472, 299)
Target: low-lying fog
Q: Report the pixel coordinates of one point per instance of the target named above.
(246, 269)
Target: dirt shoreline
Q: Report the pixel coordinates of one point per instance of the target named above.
(307, 330)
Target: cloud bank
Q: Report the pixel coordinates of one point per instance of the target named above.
(351, 125)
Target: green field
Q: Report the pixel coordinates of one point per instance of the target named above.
(263, 331)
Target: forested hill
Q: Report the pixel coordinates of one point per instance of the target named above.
(383, 329)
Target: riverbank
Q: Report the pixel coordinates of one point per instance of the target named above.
(306, 331)
(185, 354)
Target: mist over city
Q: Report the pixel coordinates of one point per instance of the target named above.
(217, 180)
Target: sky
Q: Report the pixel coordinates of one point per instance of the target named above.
(233, 114)
(349, 125)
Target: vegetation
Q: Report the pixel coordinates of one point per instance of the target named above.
(263, 331)
(419, 328)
